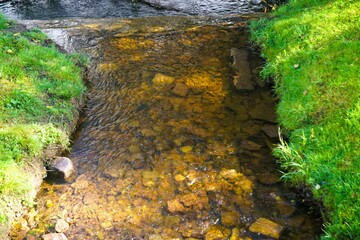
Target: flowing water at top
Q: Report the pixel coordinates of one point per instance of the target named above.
(168, 148)
(51, 9)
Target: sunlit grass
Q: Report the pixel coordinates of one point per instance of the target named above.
(38, 86)
(313, 49)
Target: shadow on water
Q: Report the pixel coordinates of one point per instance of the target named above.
(168, 148)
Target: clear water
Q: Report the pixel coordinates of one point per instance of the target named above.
(167, 147)
(51, 9)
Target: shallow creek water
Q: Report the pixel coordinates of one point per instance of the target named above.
(167, 147)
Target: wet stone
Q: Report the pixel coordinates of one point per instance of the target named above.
(179, 178)
(217, 233)
(285, 208)
(114, 172)
(296, 221)
(230, 174)
(61, 226)
(175, 206)
(263, 112)
(106, 225)
(162, 80)
(242, 79)
(235, 234)
(64, 167)
(189, 200)
(186, 149)
(230, 218)
(271, 131)
(250, 145)
(54, 236)
(266, 227)
(268, 178)
(80, 183)
(180, 89)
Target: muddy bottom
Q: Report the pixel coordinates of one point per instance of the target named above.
(169, 149)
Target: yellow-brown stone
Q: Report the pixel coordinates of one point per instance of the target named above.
(230, 218)
(175, 206)
(266, 227)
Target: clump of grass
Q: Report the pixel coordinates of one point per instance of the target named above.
(38, 88)
(312, 49)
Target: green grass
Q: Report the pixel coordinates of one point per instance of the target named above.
(38, 86)
(312, 48)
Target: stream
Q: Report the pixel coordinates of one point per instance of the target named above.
(175, 139)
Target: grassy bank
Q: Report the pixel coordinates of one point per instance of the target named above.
(312, 48)
(38, 91)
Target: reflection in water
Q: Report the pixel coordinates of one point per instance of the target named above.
(169, 149)
(51, 9)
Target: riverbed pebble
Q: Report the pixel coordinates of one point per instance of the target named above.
(162, 80)
(61, 226)
(266, 227)
(54, 236)
(180, 90)
(175, 206)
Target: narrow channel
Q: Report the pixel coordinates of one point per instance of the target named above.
(171, 146)
(176, 136)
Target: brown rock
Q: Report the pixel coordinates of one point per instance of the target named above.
(230, 218)
(189, 199)
(242, 79)
(296, 221)
(80, 183)
(180, 89)
(229, 174)
(61, 226)
(54, 236)
(271, 131)
(268, 178)
(249, 145)
(285, 208)
(217, 233)
(179, 178)
(263, 112)
(235, 234)
(266, 227)
(162, 80)
(175, 206)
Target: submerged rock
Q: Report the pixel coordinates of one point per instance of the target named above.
(271, 131)
(54, 236)
(230, 218)
(175, 206)
(61, 226)
(242, 79)
(250, 145)
(64, 167)
(266, 227)
(162, 80)
(217, 233)
(180, 89)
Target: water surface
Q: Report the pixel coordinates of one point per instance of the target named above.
(51, 9)
(168, 148)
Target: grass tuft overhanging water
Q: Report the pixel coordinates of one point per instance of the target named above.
(39, 86)
(312, 50)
